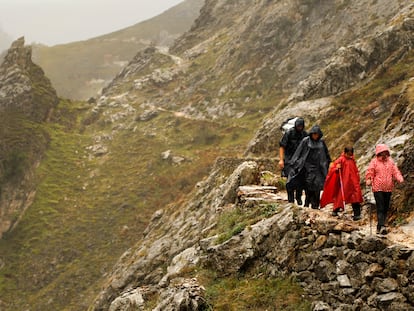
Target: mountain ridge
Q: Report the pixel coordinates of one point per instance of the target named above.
(79, 70)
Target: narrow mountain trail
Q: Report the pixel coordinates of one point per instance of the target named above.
(403, 235)
(177, 60)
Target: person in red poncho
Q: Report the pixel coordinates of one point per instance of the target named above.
(342, 185)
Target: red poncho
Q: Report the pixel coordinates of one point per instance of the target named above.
(350, 183)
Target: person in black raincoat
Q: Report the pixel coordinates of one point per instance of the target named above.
(287, 147)
(309, 166)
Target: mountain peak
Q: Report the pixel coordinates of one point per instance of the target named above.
(24, 85)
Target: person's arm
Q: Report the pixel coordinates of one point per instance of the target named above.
(338, 163)
(369, 175)
(282, 157)
(397, 174)
(282, 149)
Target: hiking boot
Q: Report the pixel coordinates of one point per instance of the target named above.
(383, 231)
(335, 213)
(355, 218)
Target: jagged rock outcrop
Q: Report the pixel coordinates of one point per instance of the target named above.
(23, 85)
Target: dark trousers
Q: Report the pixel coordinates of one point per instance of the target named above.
(356, 208)
(383, 200)
(294, 194)
(314, 197)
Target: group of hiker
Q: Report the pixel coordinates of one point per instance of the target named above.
(305, 162)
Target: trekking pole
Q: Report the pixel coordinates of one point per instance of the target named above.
(370, 216)
(342, 188)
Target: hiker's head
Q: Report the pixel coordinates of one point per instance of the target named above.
(349, 151)
(315, 132)
(299, 124)
(382, 151)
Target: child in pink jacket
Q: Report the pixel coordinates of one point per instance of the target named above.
(381, 175)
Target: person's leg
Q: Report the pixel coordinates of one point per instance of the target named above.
(356, 207)
(309, 197)
(313, 198)
(387, 202)
(380, 202)
(291, 196)
(299, 195)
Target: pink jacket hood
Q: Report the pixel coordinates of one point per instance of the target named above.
(380, 148)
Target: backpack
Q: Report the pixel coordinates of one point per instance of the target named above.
(288, 124)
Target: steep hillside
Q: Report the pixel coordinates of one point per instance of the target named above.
(177, 132)
(79, 70)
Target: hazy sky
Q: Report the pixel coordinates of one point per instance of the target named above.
(61, 21)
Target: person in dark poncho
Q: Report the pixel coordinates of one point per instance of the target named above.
(343, 178)
(309, 166)
(287, 147)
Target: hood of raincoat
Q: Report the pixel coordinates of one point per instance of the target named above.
(316, 129)
(381, 148)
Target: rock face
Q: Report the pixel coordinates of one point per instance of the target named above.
(347, 67)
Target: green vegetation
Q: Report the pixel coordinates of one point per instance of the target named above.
(22, 142)
(245, 293)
